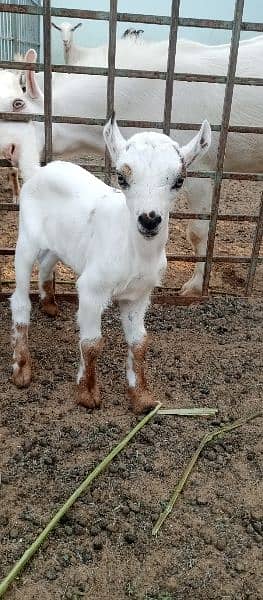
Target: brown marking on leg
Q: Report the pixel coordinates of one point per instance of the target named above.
(141, 398)
(49, 304)
(14, 182)
(22, 360)
(88, 393)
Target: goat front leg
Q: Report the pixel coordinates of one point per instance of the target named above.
(200, 194)
(132, 317)
(20, 306)
(89, 318)
(47, 262)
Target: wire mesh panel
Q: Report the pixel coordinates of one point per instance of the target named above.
(19, 32)
(170, 76)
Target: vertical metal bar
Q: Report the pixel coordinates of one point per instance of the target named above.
(168, 102)
(111, 76)
(47, 80)
(237, 22)
(255, 251)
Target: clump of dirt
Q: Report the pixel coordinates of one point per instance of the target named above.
(211, 545)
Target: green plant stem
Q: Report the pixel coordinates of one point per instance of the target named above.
(17, 568)
(188, 412)
(205, 440)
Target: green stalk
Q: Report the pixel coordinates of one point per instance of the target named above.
(17, 568)
(188, 412)
(205, 440)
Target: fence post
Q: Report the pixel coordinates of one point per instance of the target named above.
(237, 22)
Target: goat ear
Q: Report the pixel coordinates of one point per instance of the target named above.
(76, 26)
(198, 146)
(115, 142)
(32, 87)
(56, 26)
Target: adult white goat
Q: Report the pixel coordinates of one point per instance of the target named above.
(83, 95)
(73, 54)
(98, 56)
(115, 242)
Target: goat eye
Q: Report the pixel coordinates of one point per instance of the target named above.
(178, 183)
(18, 103)
(122, 181)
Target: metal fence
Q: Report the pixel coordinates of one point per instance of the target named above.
(19, 32)
(229, 80)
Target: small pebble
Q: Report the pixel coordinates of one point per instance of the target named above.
(221, 544)
(97, 544)
(125, 510)
(14, 533)
(129, 537)
(134, 506)
(202, 498)
(68, 529)
(240, 567)
(51, 574)
(94, 530)
(5, 478)
(257, 526)
(171, 584)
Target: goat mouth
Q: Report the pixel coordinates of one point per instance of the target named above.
(148, 235)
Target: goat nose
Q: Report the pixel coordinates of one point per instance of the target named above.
(149, 221)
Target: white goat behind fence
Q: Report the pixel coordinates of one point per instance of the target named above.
(114, 240)
(10, 86)
(98, 56)
(84, 95)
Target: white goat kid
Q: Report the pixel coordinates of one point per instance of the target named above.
(115, 242)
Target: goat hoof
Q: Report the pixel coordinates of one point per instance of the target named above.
(50, 308)
(141, 402)
(191, 288)
(90, 399)
(22, 374)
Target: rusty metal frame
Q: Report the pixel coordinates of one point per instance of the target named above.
(230, 80)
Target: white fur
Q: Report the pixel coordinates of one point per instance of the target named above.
(95, 229)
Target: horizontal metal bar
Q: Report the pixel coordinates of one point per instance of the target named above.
(180, 216)
(8, 116)
(229, 175)
(176, 257)
(133, 73)
(99, 15)
(216, 259)
(125, 123)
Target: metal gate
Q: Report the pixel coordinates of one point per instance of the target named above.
(174, 21)
(19, 32)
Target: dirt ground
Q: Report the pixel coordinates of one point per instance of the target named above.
(211, 545)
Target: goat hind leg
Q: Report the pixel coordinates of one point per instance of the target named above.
(47, 261)
(197, 235)
(20, 307)
(199, 193)
(89, 318)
